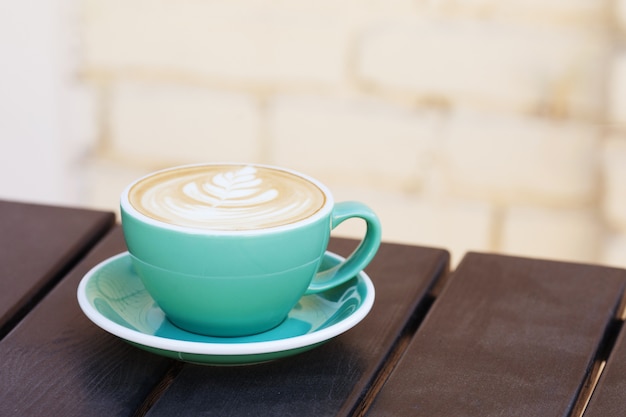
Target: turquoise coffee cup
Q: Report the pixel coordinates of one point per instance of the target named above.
(229, 249)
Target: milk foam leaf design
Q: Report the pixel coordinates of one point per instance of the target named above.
(227, 197)
(243, 178)
(233, 188)
(213, 196)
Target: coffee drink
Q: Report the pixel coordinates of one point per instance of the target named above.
(227, 197)
(229, 249)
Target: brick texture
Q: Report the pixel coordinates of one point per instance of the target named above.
(615, 185)
(614, 250)
(174, 124)
(511, 160)
(617, 92)
(352, 141)
(251, 41)
(576, 13)
(572, 234)
(521, 67)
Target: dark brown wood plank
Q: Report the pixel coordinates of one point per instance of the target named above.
(334, 379)
(37, 246)
(609, 396)
(507, 337)
(57, 363)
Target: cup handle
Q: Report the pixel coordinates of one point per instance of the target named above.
(361, 256)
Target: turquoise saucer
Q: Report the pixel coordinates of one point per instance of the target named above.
(114, 298)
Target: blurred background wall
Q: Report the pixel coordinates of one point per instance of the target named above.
(488, 125)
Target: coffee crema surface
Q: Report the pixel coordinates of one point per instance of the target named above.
(226, 197)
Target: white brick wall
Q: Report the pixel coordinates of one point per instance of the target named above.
(571, 234)
(248, 41)
(482, 125)
(615, 183)
(619, 10)
(614, 250)
(352, 140)
(484, 63)
(617, 92)
(37, 130)
(552, 12)
(177, 124)
(516, 159)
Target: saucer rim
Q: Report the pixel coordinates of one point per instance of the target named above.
(223, 349)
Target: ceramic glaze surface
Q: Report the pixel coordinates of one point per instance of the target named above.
(244, 276)
(227, 197)
(114, 298)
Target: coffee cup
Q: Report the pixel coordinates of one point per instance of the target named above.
(229, 249)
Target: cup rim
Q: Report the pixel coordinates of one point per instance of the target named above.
(127, 208)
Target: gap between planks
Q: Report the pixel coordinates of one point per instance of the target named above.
(394, 356)
(604, 351)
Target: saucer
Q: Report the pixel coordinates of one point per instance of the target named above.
(114, 298)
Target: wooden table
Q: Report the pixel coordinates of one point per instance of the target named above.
(500, 336)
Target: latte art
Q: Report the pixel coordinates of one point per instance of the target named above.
(227, 197)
